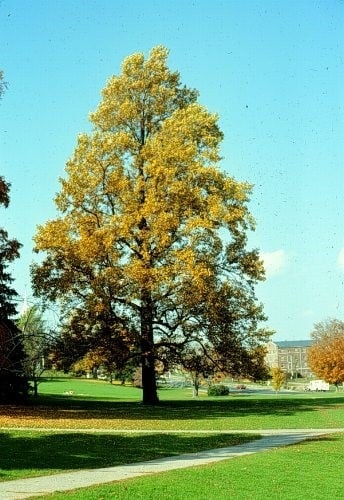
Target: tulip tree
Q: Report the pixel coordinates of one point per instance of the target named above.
(151, 233)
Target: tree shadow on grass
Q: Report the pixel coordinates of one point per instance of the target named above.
(40, 452)
(58, 407)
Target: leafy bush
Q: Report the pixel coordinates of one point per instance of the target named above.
(218, 390)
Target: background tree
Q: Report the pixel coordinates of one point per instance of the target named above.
(256, 367)
(36, 341)
(278, 378)
(152, 235)
(326, 355)
(197, 365)
(87, 343)
(9, 251)
(327, 330)
(126, 374)
(12, 380)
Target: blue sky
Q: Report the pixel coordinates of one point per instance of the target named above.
(273, 70)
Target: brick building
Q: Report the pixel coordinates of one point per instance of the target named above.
(290, 356)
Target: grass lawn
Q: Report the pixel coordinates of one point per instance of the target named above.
(88, 404)
(309, 470)
(78, 423)
(26, 454)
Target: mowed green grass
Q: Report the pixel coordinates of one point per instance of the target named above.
(90, 418)
(33, 453)
(87, 388)
(78, 404)
(309, 470)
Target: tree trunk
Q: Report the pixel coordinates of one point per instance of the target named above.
(149, 387)
(35, 387)
(195, 383)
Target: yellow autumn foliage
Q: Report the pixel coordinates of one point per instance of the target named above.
(144, 207)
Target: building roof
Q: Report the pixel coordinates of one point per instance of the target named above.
(284, 344)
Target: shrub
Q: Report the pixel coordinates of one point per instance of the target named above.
(218, 390)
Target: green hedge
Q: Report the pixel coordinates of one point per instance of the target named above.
(218, 390)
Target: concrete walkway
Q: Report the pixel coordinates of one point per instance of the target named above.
(26, 488)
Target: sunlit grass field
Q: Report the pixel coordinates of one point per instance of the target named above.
(309, 470)
(66, 403)
(33, 453)
(81, 423)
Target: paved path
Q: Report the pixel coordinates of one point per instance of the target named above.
(26, 488)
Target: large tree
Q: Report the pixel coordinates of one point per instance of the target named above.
(152, 234)
(326, 355)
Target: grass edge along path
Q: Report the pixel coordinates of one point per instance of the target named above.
(33, 453)
(67, 481)
(308, 469)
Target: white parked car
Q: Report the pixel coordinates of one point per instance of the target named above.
(317, 385)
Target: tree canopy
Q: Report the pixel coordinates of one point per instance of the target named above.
(9, 251)
(278, 378)
(151, 241)
(326, 355)
(327, 329)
